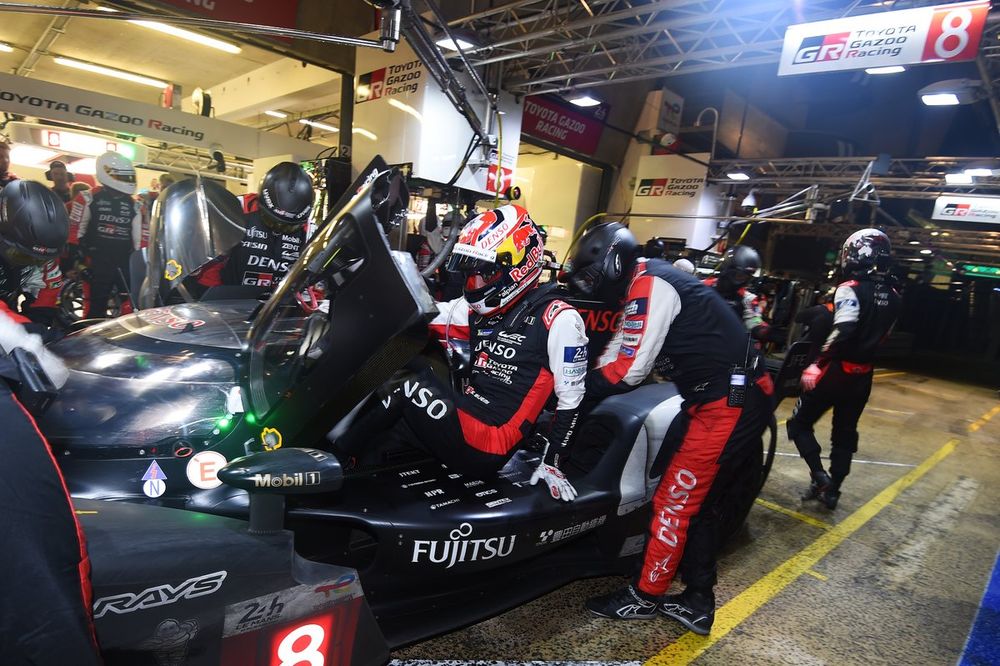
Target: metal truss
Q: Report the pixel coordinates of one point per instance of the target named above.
(904, 178)
(559, 45)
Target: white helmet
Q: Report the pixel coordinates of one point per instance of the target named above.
(685, 266)
(116, 171)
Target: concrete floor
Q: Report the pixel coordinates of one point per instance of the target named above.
(893, 576)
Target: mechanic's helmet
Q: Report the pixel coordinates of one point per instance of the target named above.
(739, 265)
(500, 254)
(116, 171)
(684, 266)
(33, 223)
(866, 251)
(601, 262)
(286, 197)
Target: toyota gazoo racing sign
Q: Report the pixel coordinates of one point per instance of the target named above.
(967, 209)
(943, 33)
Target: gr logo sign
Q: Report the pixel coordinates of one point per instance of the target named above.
(652, 187)
(370, 86)
(821, 48)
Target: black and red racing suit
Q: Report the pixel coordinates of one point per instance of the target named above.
(748, 306)
(864, 314)
(45, 595)
(677, 325)
(519, 359)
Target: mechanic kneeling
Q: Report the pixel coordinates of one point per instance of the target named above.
(674, 323)
(44, 569)
(525, 345)
(275, 233)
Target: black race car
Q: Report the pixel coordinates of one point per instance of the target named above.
(224, 407)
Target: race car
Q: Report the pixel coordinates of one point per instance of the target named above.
(224, 407)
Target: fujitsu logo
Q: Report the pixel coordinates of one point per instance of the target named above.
(460, 549)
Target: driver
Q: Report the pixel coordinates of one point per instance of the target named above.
(674, 323)
(44, 568)
(275, 233)
(525, 345)
(738, 267)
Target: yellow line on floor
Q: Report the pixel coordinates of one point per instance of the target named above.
(84, 513)
(818, 576)
(984, 419)
(815, 522)
(889, 374)
(690, 646)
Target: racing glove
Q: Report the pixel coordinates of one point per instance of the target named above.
(559, 486)
(810, 377)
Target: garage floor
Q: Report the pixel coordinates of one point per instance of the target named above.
(894, 576)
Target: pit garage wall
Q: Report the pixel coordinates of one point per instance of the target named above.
(560, 193)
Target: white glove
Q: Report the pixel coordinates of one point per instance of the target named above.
(13, 335)
(559, 487)
(810, 376)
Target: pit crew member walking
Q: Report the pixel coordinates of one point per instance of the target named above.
(676, 324)
(865, 309)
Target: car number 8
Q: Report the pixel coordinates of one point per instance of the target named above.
(950, 30)
(309, 654)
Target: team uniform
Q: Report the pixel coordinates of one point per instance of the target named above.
(107, 225)
(262, 259)
(682, 328)
(864, 313)
(7, 179)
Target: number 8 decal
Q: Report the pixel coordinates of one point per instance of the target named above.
(949, 30)
(307, 654)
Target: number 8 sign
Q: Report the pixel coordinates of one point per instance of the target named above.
(955, 32)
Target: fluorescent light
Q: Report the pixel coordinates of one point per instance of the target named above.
(980, 172)
(82, 144)
(275, 114)
(405, 108)
(926, 251)
(940, 99)
(365, 133)
(30, 155)
(737, 175)
(891, 69)
(585, 100)
(115, 73)
(447, 43)
(174, 31)
(6, 48)
(318, 125)
(914, 242)
(86, 166)
(958, 179)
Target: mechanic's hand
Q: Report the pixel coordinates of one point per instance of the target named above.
(559, 487)
(810, 376)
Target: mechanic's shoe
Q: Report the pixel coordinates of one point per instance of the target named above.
(819, 484)
(624, 604)
(695, 611)
(829, 498)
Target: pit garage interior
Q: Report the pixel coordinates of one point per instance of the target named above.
(703, 124)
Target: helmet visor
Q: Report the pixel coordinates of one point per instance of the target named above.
(15, 256)
(471, 260)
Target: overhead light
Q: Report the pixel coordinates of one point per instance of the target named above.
(980, 172)
(454, 45)
(6, 48)
(958, 179)
(319, 125)
(275, 114)
(926, 251)
(115, 73)
(940, 99)
(951, 92)
(749, 201)
(25, 155)
(914, 242)
(737, 175)
(365, 133)
(87, 166)
(81, 144)
(585, 100)
(174, 31)
(891, 69)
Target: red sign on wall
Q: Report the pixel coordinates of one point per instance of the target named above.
(546, 119)
(281, 14)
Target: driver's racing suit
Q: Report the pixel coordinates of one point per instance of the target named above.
(45, 593)
(519, 359)
(681, 327)
(39, 285)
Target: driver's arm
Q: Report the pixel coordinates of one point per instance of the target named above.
(13, 335)
(567, 349)
(651, 306)
(452, 320)
(137, 227)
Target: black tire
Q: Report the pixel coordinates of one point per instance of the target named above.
(71, 305)
(741, 498)
(769, 454)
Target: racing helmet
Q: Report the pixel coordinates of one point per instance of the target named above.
(33, 223)
(601, 262)
(500, 253)
(116, 171)
(864, 252)
(285, 197)
(739, 265)
(685, 266)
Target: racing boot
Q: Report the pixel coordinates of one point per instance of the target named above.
(830, 496)
(694, 609)
(627, 603)
(820, 483)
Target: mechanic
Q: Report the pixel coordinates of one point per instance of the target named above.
(818, 321)
(106, 226)
(865, 310)
(681, 327)
(276, 222)
(525, 345)
(6, 177)
(738, 267)
(60, 178)
(44, 569)
(29, 266)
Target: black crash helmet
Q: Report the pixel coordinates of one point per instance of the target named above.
(33, 223)
(601, 261)
(866, 251)
(286, 197)
(739, 264)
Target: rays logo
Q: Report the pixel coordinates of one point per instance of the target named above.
(821, 48)
(160, 595)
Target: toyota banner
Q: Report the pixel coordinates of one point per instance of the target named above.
(943, 33)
